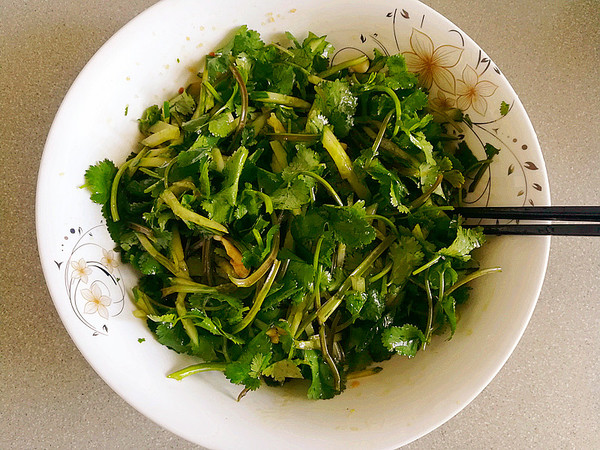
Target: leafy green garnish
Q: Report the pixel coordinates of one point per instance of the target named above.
(291, 218)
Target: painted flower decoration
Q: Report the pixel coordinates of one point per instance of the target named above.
(81, 270)
(472, 92)
(109, 260)
(96, 302)
(432, 64)
(442, 102)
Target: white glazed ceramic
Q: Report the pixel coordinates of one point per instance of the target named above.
(145, 63)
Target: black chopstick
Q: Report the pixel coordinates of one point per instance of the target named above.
(533, 213)
(584, 229)
(566, 213)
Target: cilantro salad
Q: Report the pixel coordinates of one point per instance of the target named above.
(293, 219)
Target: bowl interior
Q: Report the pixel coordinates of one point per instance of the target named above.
(145, 63)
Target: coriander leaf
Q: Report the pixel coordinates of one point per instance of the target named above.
(150, 116)
(373, 307)
(448, 306)
(222, 125)
(504, 108)
(467, 239)
(283, 369)
(403, 340)
(355, 302)
(98, 180)
(391, 188)
(247, 41)
(406, 256)
(321, 385)
(398, 76)
(294, 195)
(183, 103)
(349, 224)
(490, 150)
(259, 363)
(337, 103)
(305, 160)
(240, 371)
(220, 206)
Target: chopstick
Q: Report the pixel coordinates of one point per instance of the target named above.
(567, 213)
(543, 230)
(533, 213)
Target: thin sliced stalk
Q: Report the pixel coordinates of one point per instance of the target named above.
(114, 189)
(294, 137)
(322, 336)
(397, 105)
(384, 219)
(259, 299)
(183, 213)
(280, 99)
(364, 373)
(150, 173)
(343, 65)
(379, 137)
(326, 185)
(244, 96)
(392, 148)
(163, 260)
(331, 305)
(471, 277)
(381, 274)
(427, 265)
(430, 312)
(343, 163)
(260, 272)
(213, 91)
(155, 161)
(188, 289)
(196, 368)
(188, 324)
(423, 198)
(177, 251)
(200, 106)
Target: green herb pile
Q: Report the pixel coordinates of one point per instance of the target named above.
(292, 219)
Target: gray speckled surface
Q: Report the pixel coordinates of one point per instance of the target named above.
(546, 396)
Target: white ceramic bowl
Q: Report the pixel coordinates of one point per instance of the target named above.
(145, 63)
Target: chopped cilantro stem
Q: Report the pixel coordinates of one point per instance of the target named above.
(331, 305)
(343, 162)
(326, 185)
(188, 324)
(163, 260)
(244, 95)
(190, 216)
(197, 368)
(200, 104)
(428, 265)
(364, 373)
(343, 65)
(381, 274)
(114, 210)
(259, 299)
(213, 91)
(295, 137)
(471, 277)
(385, 220)
(280, 99)
(392, 148)
(423, 198)
(379, 137)
(429, 312)
(397, 105)
(253, 278)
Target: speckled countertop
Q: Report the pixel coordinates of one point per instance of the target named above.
(548, 393)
